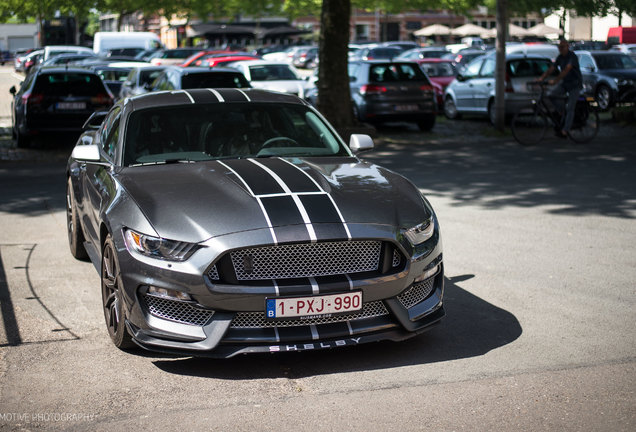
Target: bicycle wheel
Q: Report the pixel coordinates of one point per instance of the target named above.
(585, 127)
(529, 128)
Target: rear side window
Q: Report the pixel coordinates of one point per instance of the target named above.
(271, 73)
(148, 76)
(527, 68)
(439, 69)
(217, 79)
(396, 72)
(63, 84)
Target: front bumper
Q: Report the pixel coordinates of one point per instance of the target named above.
(224, 320)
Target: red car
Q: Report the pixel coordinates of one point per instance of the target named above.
(441, 72)
(190, 61)
(218, 61)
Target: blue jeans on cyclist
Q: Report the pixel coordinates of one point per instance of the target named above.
(560, 96)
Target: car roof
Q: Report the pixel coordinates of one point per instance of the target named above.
(188, 97)
(199, 69)
(63, 69)
(257, 62)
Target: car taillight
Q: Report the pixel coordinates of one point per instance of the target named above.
(509, 88)
(32, 99)
(102, 99)
(369, 89)
(458, 58)
(155, 62)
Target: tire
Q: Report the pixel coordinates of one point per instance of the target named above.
(450, 109)
(22, 141)
(492, 114)
(586, 124)
(427, 123)
(529, 128)
(356, 112)
(112, 302)
(603, 96)
(73, 226)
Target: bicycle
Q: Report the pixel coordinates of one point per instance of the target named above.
(529, 127)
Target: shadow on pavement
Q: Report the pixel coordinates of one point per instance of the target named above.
(470, 163)
(472, 327)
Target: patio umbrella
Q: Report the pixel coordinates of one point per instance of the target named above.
(544, 30)
(468, 30)
(513, 31)
(433, 30)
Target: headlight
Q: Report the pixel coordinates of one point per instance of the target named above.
(156, 247)
(420, 233)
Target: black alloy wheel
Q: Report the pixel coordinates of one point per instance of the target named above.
(112, 287)
(603, 97)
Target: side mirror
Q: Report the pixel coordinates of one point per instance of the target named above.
(95, 120)
(86, 153)
(359, 143)
(461, 78)
(12, 90)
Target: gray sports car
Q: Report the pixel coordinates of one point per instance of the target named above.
(226, 221)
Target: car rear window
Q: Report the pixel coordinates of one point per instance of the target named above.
(214, 79)
(396, 72)
(439, 69)
(526, 68)
(62, 84)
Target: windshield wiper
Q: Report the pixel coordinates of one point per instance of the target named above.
(164, 162)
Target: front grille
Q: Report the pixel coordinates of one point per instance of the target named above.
(257, 319)
(306, 260)
(213, 273)
(178, 311)
(417, 293)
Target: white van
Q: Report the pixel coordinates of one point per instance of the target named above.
(105, 41)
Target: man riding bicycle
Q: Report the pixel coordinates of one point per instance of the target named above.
(569, 82)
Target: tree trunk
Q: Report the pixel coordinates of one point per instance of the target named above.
(334, 100)
(500, 71)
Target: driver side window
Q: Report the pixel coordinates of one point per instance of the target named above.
(110, 133)
(472, 70)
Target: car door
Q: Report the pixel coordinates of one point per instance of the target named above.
(98, 185)
(483, 85)
(463, 86)
(589, 72)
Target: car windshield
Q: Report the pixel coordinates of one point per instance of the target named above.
(226, 130)
(271, 73)
(614, 61)
(214, 80)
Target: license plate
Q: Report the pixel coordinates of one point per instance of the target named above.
(313, 306)
(71, 105)
(406, 107)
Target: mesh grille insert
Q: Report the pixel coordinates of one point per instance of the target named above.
(257, 319)
(178, 311)
(306, 260)
(417, 293)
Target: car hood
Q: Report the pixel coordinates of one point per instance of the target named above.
(198, 201)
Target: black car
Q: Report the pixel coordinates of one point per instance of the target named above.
(139, 80)
(178, 78)
(392, 91)
(228, 221)
(56, 99)
(608, 76)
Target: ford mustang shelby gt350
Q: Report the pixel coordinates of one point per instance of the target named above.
(227, 221)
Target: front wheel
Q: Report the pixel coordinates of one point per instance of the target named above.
(603, 97)
(585, 125)
(450, 109)
(112, 297)
(73, 226)
(529, 128)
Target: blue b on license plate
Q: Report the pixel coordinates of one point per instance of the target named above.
(315, 305)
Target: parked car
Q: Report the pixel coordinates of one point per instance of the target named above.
(608, 76)
(34, 58)
(473, 91)
(377, 53)
(230, 222)
(629, 49)
(422, 53)
(287, 55)
(56, 99)
(139, 80)
(384, 91)
(269, 75)
(192, 60)
(55, 50)
(441, 73)
(306, 58)
(18, 57)
(213, 60)
(178, 78)
(63, 59)
(462, 57)
(113, 76)
(171, 56)
(547, 50)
